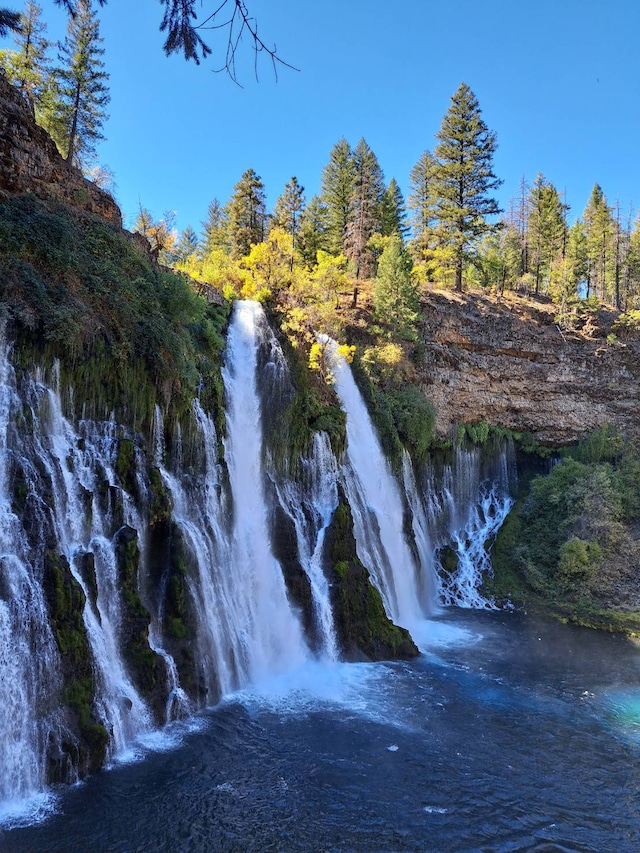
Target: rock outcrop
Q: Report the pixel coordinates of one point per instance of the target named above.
(31, 163)
(508, 363)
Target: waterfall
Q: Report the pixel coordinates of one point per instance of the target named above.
(271, 632)
(310, 505)
(379, 511)
(76, 468)
(467, 510)
(29, 664)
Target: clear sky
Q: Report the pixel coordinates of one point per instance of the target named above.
(558, 81)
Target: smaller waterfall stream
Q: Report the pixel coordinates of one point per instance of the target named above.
(29, 665)
(310, 505)
(467, 511)
(74, 471)
(378, 510)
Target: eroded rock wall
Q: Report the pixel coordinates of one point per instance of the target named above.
(508, 363)
(31, 163)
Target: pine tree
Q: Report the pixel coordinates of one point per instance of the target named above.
(288, 209)
(214, 229)
(247, 214)
(395, 298)
(337, 185)
(28, 66)
(600, 230)
(393, 214)
(421, 203)
(81, 85)
(187, 245)
(313, 235)
(9, 20)
(546, 230)
(366, 208)
(464, 178)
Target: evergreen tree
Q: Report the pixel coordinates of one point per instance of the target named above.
(81, 85)
(337, 186)
(246, 214)
(632, 295)
(421, 203)
(187, 245)
(28, 66)
(600, 231)
(395, 298)
(366, 208)
(393, 214)
(546, 231)
(464, 178)
(9, 20)
(214, 229)
(313, 235)
(288, 209)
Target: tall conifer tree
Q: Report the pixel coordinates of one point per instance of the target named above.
(314, 231)
(81, 84)
(28, 66)
(464, 178)
(288, 208)
(246, 213)
(338, 179)
(393, 214)
(421, 203)
(366, 209)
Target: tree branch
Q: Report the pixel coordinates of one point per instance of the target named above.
(179, 22)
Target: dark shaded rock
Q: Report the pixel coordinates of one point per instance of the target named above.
(146, 666)
(364, 631)
(66, 600)
(285, 549)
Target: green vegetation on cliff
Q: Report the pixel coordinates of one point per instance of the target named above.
(572, 538)
(83, 291)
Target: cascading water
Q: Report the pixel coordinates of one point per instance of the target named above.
(29, 664)
(270, 632)
(243, 627)
(74, 470)
(199, 510)
(310, 505)
(466, 512)
(378, 511)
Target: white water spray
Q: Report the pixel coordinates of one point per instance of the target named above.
(271, 632)
(310, 506)
(378, 510)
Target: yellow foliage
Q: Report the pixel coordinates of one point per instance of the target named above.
(387, 364)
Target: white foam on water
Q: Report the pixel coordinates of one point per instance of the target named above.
(433, 634)
(27, 812)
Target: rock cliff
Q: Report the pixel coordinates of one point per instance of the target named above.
(508, 363)
(31, 163)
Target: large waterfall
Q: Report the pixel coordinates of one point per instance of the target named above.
(169, 553)
(271, 632)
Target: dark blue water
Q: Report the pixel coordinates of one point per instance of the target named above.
(509, 734)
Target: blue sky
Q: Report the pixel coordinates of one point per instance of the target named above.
(558, 81)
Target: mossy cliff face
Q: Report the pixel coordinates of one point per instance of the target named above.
(66, 601)
(363, 629)
(145, 666)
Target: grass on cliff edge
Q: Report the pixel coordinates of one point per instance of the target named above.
(77, 288)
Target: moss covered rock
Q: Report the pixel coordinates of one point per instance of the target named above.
(66, 602)
(364, 630)
(146, 666)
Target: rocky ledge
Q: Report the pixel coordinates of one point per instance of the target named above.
(507, 362)
(31, 163)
